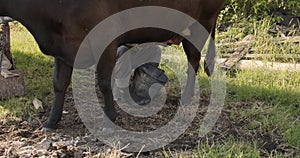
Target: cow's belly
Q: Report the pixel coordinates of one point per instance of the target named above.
(146, 35)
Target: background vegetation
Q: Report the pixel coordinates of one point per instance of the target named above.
(236, 10)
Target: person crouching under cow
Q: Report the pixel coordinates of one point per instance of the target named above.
(144, 59)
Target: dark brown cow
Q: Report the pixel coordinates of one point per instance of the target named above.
(59, 27)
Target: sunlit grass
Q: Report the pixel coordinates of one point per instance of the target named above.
(227, 149)
(264, 42)
(273, 97)
(37, 69)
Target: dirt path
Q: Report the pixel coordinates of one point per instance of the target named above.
(72, 139)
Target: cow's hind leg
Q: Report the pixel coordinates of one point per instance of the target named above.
(61, 81)
(104, 70)
(209, 61)
(193, 56)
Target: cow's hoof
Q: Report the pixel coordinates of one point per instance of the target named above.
(48, 127)
(113, 118)
(111, 115)
(47, 130)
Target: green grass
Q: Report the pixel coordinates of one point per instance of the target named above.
(270, 106)
(37, 69)
(228, 149)
(273, 97)
(270, 99)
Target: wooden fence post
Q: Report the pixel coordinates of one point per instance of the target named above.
(5, 42)
(11, 83)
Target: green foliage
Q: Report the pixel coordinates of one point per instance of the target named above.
(239, 9)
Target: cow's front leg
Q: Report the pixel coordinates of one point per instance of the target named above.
(193, 56)
(61, 81)
(104, 70)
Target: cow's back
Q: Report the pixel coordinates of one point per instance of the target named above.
(60, 26)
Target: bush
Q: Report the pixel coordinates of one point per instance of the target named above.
(238, 9)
